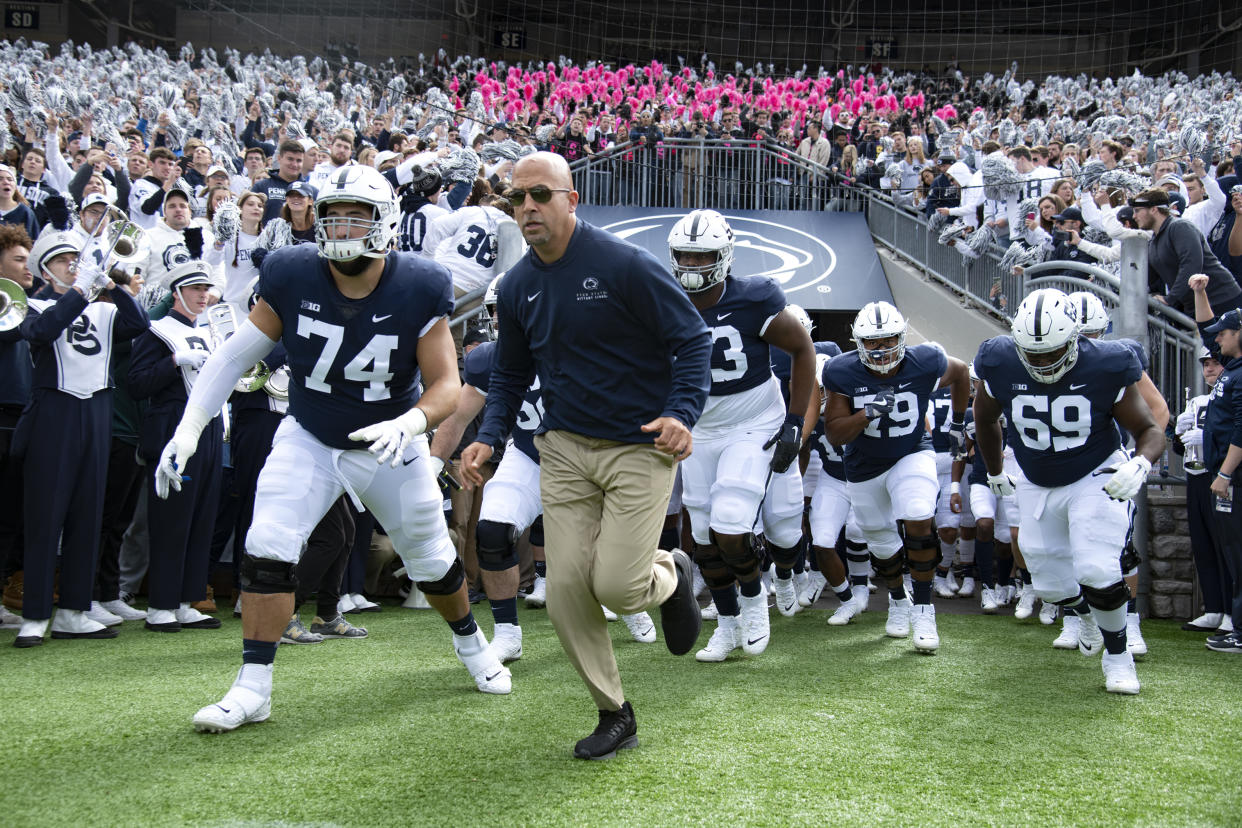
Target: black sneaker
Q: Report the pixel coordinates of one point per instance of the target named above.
(616, 730)
(679, 615)
(1219, 637)
(1227, 643)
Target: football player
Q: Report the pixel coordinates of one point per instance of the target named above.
(950, 514)
(1060, 394)
(878, 398)
(361, 324)
(746, 435)
(1093, 322)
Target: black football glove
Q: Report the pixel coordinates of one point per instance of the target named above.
(788, 440)
(957, 439)
(881, 405)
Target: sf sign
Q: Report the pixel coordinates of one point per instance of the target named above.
(794, 258)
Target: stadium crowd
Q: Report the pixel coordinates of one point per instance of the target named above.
(221, 160)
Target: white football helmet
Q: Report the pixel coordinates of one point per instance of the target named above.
(1045, 331)
(880, 320)
(1092, 316)
(490, 296)
(702, 231)
(804, 318)
(337, 236)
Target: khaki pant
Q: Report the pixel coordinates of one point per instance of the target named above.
(603, 509)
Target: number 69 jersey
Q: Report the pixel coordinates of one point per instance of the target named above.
(903, 430)
(353, 362)
(1061, 431)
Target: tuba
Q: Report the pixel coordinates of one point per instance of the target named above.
(13, 304)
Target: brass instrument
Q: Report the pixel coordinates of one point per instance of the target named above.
(1193, 459)
(114, 240)
(13, 304)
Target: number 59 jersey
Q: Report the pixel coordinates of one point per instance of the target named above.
(902, 431)
(353, 362)
(477, 372)
(1061, 431)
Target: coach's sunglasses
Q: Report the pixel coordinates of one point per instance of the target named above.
(541, 195)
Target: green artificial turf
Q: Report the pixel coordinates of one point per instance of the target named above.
(829, 726)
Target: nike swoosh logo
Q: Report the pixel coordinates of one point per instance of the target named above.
(225, 709)
(724, 316)
(533, 296)
(905, 385)
(408, 462)
(753, 641)
(377, 318)
(644, 632)
(1076, 387)
(493, 675)
(790, 605)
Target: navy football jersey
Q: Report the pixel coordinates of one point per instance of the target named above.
(478, 373)
(1222, 425)
(1061, 431)
(782, 364)
(941, 412)
(353, 362)
(741, 360)
(829, 455)
(1141, 353)
(903, 430)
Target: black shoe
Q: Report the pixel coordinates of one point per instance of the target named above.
(207, 623)
(616, 730)
(167, 627)
(1227, 643)
(1219, 637)
(679, 615)
(24, 641)
(106, 632)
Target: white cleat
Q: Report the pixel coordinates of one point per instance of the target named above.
(709, 612)
(697, 584)
(1026, 604)
(755, 631)
(899, 612)
(507, 642)
(9, 621)
(847, 612)
(940, 584)
(100, 615)
(926, 638)
(988, 600)
(726, 638)
(609, 615)
(642, 628)
(1090, 639)
(802, 582)
(241, 705)
(862, 594)
(538, 595)
(1119, 674)
(786, 597)
(489, 675)
(812, 589)
(124, 610)
(1048, 613)
(1068, 639)
(1134, 636)
(967, 589)
(951, 581)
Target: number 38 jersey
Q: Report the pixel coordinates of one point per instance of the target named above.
(478, 373)
(353, 362)
(903, 430)
(1062, 431)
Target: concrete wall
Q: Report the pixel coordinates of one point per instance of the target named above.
(53, 23)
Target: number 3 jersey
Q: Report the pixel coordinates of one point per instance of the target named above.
(741, 359)
(1061, 431)
(353, 362)
(478, 373)
(903, 430)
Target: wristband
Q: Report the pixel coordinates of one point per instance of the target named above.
(1224, 476)
(955, 488)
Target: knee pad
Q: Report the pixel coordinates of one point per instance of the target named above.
(888, 568)
(786, 557)
(856, 552)
(495, 542)
(266, 576)
(449, 584)
(716, 573)
(1110, 597)
(743, 562)
(536, 532)
(923, 552)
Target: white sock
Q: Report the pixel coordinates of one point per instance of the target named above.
(256, 677)
(966, 549)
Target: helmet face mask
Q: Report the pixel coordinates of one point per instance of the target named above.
(1045, 334)
(880, 335)
(701, 232)
(346, 233)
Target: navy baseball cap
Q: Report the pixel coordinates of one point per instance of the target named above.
(1228, 321)
(1068, 214)
(302, 188)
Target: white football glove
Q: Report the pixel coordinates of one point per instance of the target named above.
(1193, 437)
(1002, 485)
(1128, 479)
(193, 357)
(174, 458)
(391, 437)
(1185, 421)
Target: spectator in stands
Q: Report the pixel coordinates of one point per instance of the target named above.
(1068, 226)
(815, 146)
(173, 240)
(146, 197)
(299, 211)
(33, 183)
(340, 154)
(289, 170)
(1205, 200)
(1225, 237)
(13, 207)
(1178, 251)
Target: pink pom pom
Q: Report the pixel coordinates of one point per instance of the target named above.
(529, 91)
(857, 86)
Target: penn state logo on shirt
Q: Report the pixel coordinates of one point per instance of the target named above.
(175, 254)
(591, 290)
(83, 338)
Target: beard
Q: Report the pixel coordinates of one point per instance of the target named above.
(352, 267)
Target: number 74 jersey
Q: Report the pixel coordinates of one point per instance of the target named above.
(1061, 431)
(352, 362)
